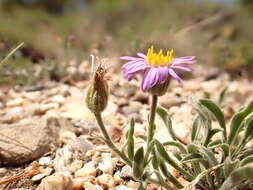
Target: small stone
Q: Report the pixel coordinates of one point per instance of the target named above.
(132, 184)
(89, 169)
(107, 164)
(90, 186)
(44, 108)
(45, 161)
(15, 102)
(58, 181)
(106, 181)
(58, 99)
(3, 171)
(78, 183)
(66, 137)
(117, 178)
(14, 114)
(123, 187)
(76, 165)
(74, 150)
(38, 177)
(126, 172)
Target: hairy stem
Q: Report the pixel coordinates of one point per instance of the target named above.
(108, 141)
(151, 126)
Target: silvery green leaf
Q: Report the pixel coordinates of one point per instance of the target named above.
(195, 129)
(223, 146)
(222, 96)
(165, 156)
(238, 176)
(213, 108)
(248, 134)
(168, 175)
(204, 118)
(214, 143)
(167, 121)
(247, 160)
(213, 132)
(130, 140)
(179, 145)
(192, 157)
(237, 121)
(138, 167)
(143, 137)
(230, 166)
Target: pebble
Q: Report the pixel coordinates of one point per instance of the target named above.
(76, 165)
(78, 183)
(126, 172)
(107, 165)
(14, 114)
(123, 187)
(38, 177)
(106, 181)
(89, 169)
(45, 107)
(66, 136)
(3, 171)
(45, 161)
(90, 186)
(58, 181)
(132, 184)
(15, 102)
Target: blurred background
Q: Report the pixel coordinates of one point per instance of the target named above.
(57, 32)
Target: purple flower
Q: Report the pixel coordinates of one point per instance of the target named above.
(157, 67)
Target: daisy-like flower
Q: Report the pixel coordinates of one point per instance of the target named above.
(157, 67)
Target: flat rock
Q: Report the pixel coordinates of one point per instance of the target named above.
(27, 141)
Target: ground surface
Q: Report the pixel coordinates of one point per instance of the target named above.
(74, 153)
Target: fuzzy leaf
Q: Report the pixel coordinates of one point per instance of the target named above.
(204, 118)
(138, 167)
(165, 156)
(179, 145)
(195, 129)
(212, 107)
(193, 157)
(246, 161)
(168, 175)
(130, 140)
(238, 176)
(222, 96)
(167, 121)
(223, 146)
(248, 134)
(214, 143)
(237, 121)
(230, 166)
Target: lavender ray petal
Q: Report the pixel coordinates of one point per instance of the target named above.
(129, 58)
(163, 73)
(131, 64)
(142, 55)
(182, 67)
(144, 80)
(175, 76)
(135, 69)
(150, 80)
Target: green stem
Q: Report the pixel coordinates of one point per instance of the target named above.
(151, 126)
(108, 141)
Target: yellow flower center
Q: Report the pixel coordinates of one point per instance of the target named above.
(159, 59)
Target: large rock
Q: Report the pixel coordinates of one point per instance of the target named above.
(24, 142)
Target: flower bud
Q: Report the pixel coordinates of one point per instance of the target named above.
(160, 89)
(97, 94)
